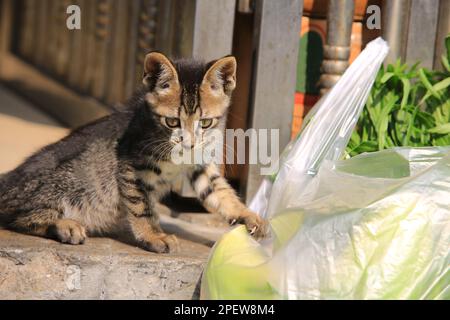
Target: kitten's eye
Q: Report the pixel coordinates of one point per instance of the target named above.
(172, 122)
(206, 123)
(165, 85)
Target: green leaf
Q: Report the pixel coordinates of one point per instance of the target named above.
(425, 118)
(447, 45)
(412, 118)
(442, 141)
(430, 90)
(435, 89)
(439, 116)
(441, 85)
(442, 129)
(424, 79)
(386, 77)
(412, 71)
(384, 120)
(355, 137)
(445, 63)
(406, 90)
(366, 146)
(414, 113)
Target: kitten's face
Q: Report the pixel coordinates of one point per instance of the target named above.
(189, 98)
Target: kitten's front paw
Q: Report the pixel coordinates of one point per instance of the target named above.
(256, 225)
(161, 243)
(68, 231)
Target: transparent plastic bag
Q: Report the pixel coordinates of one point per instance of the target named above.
(326, 132)
(375, 226)
(378, 227)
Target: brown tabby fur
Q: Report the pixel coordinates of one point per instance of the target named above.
(113, 172)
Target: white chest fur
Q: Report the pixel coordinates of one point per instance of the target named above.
(172, 177)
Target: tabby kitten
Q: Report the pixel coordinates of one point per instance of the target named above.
(113, 172)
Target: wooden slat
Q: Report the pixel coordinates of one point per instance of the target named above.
(277, 25)
(62, 41)
(42, 29)
(53, 29)
(422, 32)
(238, 114)
(89, 23)
(146, 34)
(394, 27)
(182, 34)
(131, 81)
(6, 21)
(103, 36)
(28, 22)
(115, 83)
(213, 29)
(77, 50)
(165, 18)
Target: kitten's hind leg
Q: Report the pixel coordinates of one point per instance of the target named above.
(46, 223)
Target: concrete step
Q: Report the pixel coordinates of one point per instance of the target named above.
(102, 268)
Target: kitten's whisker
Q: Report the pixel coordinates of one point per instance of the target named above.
(152, 143)
(159, 151)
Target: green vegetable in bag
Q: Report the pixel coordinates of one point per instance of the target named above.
(384, 237)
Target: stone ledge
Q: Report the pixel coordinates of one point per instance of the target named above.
(102, 268)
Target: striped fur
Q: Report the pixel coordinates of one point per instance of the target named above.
(113, 172)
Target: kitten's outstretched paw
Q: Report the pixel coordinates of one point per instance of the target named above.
(161, 243)
(68, 231)
(256, 225)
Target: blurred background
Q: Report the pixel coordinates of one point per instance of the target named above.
(289, 53)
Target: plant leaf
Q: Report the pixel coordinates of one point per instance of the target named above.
(424, 79)
(386, 77)
(445, 63)
(366, 146)
(415, 113)
(441, 129)
(441, 85)
(384, 120)
(447, 45)
(412, 118)
(406, 90)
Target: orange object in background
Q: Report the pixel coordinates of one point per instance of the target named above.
(303, 103)
(312, 38)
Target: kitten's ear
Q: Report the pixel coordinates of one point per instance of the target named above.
(221, 74)
(158, 71)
